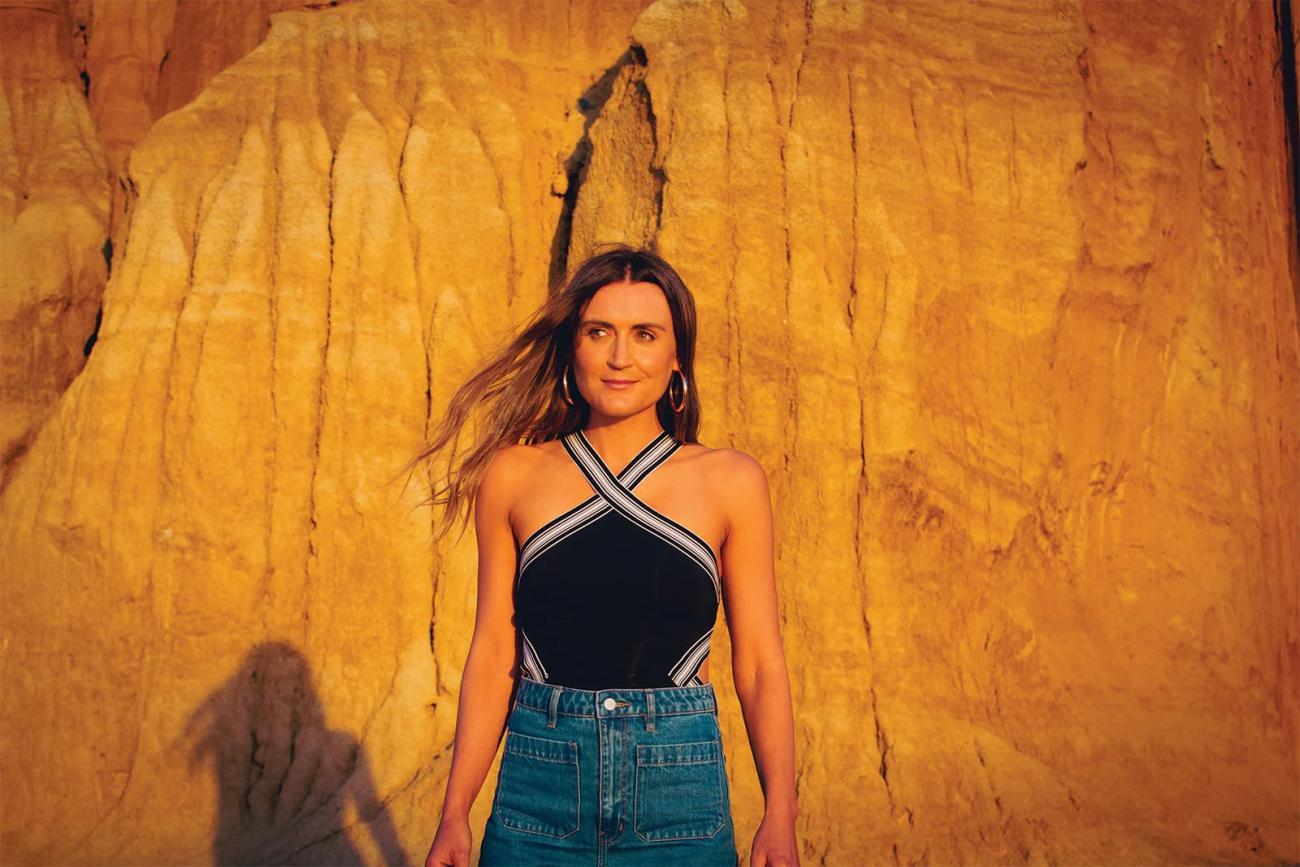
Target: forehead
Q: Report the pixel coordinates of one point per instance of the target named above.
(634, 302)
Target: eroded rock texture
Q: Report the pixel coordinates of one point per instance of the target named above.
(217, 598)
(83, 81)
(54, 207)
(1003, 296)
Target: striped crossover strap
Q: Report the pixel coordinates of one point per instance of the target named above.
(564, 525)
(617, 495)
(644, 652)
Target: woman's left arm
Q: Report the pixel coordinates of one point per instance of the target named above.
(757, 658)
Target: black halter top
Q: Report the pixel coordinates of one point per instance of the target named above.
(612, 594)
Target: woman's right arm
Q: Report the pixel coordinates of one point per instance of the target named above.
(491, 666)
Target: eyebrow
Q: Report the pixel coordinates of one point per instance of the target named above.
(650, 325)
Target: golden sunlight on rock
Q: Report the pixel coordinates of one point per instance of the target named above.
(1002, 296)
(54, 210)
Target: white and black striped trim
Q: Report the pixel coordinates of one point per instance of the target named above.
(604, 482)
(686, 669)
(558, 528)
(531, 664)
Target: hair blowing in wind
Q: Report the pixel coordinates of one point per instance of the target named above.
(516, 395)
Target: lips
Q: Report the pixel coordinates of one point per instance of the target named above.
(619, 383)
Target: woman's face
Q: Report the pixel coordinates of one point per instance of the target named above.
(625, 335)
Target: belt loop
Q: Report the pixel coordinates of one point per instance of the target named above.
(649, 710)
(555, 701)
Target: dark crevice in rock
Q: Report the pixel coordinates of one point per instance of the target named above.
(322, 383)
(94, 334)
(656, 171)
(882, 748)
(81, 33)
(590, 103)
(808, 14)
(107, 251)
(1285, 26)
(851, 308)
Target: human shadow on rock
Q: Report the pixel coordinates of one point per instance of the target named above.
(284, 778)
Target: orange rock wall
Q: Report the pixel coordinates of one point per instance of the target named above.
(1004, 298)
(83, 81)
(54, 211)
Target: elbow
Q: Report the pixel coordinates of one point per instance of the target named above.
(748, 672)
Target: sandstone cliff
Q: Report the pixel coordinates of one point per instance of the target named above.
(1003, 297)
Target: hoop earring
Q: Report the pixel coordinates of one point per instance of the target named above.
(564, 386)
(677, 406)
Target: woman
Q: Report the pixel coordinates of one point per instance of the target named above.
(607, 541)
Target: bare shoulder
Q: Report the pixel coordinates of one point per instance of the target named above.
(735, 475)
(522, 457)
(508, 467)
(504, 464)
(515, 467)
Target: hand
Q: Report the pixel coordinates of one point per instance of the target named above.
(774, 844)
(451, 844)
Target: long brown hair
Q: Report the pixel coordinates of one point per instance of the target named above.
(518, 388)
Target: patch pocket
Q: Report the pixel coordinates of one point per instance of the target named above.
(537, 786)
(678, 791)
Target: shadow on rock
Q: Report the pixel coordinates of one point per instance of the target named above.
(285, 781)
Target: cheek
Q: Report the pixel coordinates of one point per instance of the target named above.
(583, 355)
(663, 357)
(652, 362)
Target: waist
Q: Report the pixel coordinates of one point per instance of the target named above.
(616, 701)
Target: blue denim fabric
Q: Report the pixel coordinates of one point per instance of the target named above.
(611, 778)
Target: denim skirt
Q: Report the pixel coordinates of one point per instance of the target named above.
(617, 777)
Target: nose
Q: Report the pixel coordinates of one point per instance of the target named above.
(618, 357)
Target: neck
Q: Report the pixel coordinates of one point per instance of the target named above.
(619, 439)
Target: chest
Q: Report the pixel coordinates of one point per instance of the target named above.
(681, 494)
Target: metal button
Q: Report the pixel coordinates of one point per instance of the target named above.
(610, 704)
